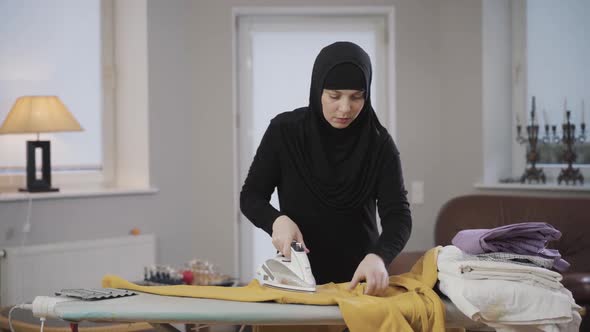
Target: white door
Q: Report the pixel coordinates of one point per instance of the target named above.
(274, 64)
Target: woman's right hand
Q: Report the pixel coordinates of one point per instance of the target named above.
(285, 231)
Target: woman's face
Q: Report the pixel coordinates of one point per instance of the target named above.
(341, 107)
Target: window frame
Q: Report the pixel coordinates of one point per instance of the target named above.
(125, 122)
(519, 81)
(504, 67)
(105, 176)
(520, 93)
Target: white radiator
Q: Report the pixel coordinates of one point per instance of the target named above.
(26, 272)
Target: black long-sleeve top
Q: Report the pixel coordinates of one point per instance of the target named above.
(338, 240)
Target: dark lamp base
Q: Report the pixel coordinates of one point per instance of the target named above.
(38, 190)
(34, 183)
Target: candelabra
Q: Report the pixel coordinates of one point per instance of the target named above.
(532, 157)
(569, 156)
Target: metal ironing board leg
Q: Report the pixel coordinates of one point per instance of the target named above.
(164, 327)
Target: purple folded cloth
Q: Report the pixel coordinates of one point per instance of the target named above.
(527, 238)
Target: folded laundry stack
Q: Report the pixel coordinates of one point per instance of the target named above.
(503, 278)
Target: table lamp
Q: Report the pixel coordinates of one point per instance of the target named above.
(39, 114)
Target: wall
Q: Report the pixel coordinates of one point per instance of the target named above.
(439, 102)
(170, 213)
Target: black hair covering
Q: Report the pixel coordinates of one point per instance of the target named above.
(339, 166)
(345, 76)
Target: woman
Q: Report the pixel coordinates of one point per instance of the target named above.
(333, 164)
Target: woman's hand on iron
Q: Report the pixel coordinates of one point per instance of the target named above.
(285, 231)
(373, 271)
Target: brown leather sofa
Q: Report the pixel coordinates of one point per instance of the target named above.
(570, 215)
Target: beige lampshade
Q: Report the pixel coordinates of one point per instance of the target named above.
(39, 114)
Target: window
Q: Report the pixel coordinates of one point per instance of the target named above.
(531, 48)
(558, 69)
(59, 48)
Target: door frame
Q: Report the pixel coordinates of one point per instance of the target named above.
(386, 12)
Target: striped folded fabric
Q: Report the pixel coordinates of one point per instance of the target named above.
(529, 260)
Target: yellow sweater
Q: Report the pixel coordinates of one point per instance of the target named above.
(409, 304)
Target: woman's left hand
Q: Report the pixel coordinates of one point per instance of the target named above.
(373, 271)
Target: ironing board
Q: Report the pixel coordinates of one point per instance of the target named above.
(162, 311)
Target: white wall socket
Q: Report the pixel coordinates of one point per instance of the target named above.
(417, 192)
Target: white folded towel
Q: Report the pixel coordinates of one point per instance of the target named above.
(456, 262)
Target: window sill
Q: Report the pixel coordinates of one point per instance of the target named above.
(550, 186)
(9, 196)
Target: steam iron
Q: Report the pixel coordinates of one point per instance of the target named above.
(294, 274)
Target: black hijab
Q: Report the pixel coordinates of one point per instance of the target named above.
(339, 166)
